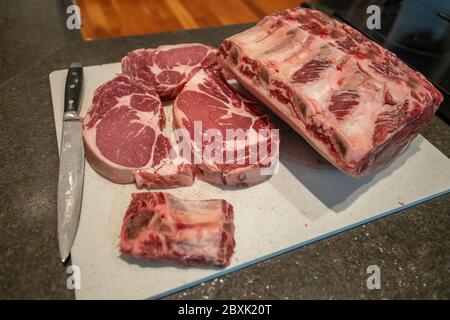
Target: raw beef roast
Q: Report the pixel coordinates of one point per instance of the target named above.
(355, 102)
(168, 67)
(123, 137)
(245, 130)
(159, 226)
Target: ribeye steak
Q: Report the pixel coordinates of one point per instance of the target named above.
(168, 67)
(123, 137)
(159, 226)
(245, 129)
(355, 102)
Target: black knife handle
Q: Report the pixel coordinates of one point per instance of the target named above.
(74, 87)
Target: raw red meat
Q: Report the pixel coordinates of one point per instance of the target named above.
(355, 102)
(209, 100)
(159, 226)
(168, 67)
(123, 137)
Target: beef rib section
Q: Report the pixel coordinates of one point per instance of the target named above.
(160, 226)
(355, 102)
(168, 67)
(123, 137)
(207, 109)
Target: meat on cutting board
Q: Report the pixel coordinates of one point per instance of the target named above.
(207, 100)
(160, 226)
(123, 137)
(168, 67)
(355, 102)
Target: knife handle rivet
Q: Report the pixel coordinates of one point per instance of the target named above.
(72, 86)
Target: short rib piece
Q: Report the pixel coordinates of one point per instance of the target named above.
(160, 226)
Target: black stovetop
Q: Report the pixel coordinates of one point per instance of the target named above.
(418, 31)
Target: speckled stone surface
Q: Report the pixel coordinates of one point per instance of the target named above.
(412, 248)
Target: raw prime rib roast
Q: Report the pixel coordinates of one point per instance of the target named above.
(355, 102)
(159, 226)
(209, 100)
(168, 67)
(123, 137)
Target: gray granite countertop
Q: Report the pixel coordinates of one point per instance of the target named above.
(412, 248)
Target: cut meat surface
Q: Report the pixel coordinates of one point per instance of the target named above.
(355, 102)
(123, 137)
(167, 68)
(209, 109)
(160, 226)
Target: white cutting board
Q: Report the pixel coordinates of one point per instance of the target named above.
(305, 201)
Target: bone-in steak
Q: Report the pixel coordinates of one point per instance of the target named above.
(123, 136)
(208, 107)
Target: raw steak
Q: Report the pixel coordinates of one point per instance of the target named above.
(168, 67)
(209, 100)
(355, 102)
(159, 226)
(123, 137)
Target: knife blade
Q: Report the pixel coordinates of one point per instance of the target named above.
(71, 163)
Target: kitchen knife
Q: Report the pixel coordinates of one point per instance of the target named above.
(71, 163)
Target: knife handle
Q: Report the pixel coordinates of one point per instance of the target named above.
(74, 87)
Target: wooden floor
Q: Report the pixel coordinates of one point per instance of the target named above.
(113, 18)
